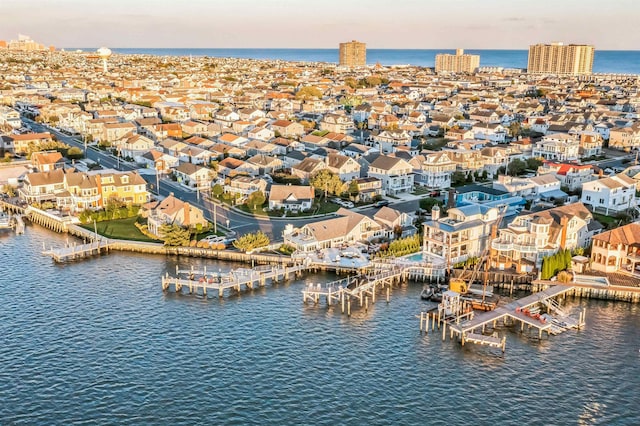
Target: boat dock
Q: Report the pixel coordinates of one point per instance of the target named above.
(204, 282)
(360, 287)
(73, 251)
(464, 323)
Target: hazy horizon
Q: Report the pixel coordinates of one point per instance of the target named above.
(314, 24)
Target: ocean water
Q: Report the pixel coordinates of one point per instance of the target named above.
(98, 342)
(605, 61)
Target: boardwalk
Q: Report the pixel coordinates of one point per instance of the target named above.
(74, 251)
(206, 282)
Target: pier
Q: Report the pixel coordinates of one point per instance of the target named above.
(204, 282)
(359, 287)
(462, 322)
(72, 251)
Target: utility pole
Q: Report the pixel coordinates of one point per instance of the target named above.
(215, 219)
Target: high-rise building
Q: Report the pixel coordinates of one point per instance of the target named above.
(353, 54)
(459, 63)
(558, 58)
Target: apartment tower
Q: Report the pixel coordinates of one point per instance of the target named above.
(561, 59)
(353, 54)
(458, 63)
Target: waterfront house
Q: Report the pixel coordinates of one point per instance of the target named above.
(393, 220)
(462, 234)
(529, 238)
(348, 228)
(47, 161)
(42, 186)
(127, 187)
(293, 198)
(172, 210)
(617, 250)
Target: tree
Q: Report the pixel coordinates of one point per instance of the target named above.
(256, 199)
(428, 204)
(309, 92)
(534, 163)
(353, 189)
(515, 129)
(516, 167)
(217, 190)
(174, 235)
(485, 175)
(252, 241)
(327, 181)
(458, 178)
(397, 231)
(75, 153)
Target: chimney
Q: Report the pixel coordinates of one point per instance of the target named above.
(435, 213)
(563, 235)
(451, 201)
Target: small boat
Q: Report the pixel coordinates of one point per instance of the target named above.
(436, 296)
(427, 292)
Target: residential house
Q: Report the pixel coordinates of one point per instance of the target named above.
(293, 198)
(345, 167)
(240, 187)
(232, 140)
(396, 174)
(261, 133)
(116, 131)
(230, 167)
(307, 168)
(349, 227)
(529, 238)
(194, 176)
(21, 144)
(135, 146)
(625, 138)
(393, 220)
(557, 147)
(590, 144)
(570, 175)
(172, 211)
(369, 189)
(47, 161)
(387, 140)
(338, 123)
(617, 250)
(128, 187)
(463, 233)
(433, 170)
(287, 128)
(266, 164)
(158, 160)
(610, 195)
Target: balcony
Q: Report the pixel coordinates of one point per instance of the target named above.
(502, 245)
(525, 248)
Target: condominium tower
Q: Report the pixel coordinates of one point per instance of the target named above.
(458, 63)
(353, 54)
(558, 58)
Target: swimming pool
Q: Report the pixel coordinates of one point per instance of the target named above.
(415, 257)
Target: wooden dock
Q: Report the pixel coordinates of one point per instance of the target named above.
(358, 287)
(72, 251)
(465, 324)
(203, 282)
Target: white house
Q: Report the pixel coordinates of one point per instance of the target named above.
(612, 194)
(557, 147)
(291, 197)
(395, 173)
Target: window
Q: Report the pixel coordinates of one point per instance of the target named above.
(588, 198)
(601, 201)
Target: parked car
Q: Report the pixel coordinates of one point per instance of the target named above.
(382, 203)
(348, 204)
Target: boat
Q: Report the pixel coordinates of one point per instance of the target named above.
(427, 292)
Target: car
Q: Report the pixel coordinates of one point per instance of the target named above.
(214, 239)
(382, 203)
(348, 204)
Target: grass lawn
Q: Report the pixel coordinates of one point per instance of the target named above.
(605, 220)
(122, 229)
(420, 190)
(318, 208)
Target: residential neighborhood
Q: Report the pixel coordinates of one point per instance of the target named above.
(554, 155)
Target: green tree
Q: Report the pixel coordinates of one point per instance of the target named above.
(75, 153)
(309, 92)
(515, 129)
(516, 167)
(251, 241)
(174, 235)
(327, 181)
(428, 204)
(485, 175)
(534, 163)
(458, 178)
(353, 189)
(217, 190)
(256, 199)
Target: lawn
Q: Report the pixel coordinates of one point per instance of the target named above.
(122, 229)
(605, 220)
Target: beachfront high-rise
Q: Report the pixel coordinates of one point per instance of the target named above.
(353, 54)
(458, 63)
(559, 58)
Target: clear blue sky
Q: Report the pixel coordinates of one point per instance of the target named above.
(499, 24)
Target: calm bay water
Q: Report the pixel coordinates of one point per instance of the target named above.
(605, 61)
(97, 341)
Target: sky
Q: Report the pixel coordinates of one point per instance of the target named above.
(383, 24)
